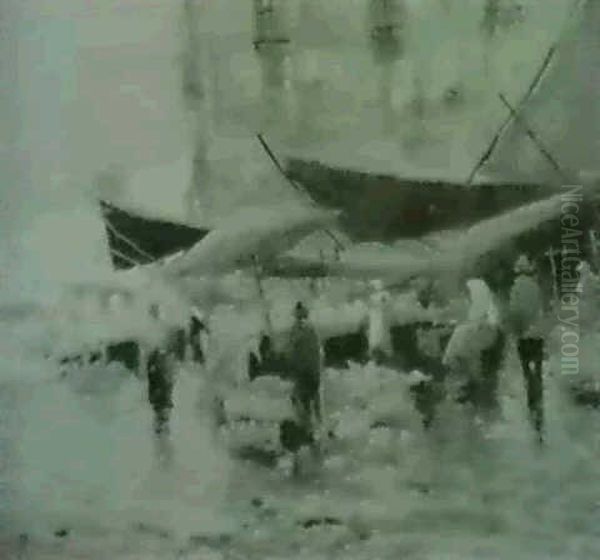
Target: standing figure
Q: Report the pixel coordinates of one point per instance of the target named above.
(475, 350)
(160, 389)
(380, 338)
(197, 332)
(526, 313)
(304, 358)
(160, 394)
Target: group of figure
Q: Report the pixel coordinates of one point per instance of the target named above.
(469, 365)
(468, 371)
(475, 352)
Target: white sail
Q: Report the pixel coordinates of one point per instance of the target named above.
(563, 112)
(443, 108)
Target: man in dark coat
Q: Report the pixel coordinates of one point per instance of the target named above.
(304, 358)
(160, 392)
(526, 313)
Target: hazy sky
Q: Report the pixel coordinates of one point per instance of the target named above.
(96, 83)
(128, 107)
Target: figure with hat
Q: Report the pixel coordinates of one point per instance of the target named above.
(304, 359)
(526, 310)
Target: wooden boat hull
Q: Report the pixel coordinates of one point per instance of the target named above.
(385, 208)
(135, 239)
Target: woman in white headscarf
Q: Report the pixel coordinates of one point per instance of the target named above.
(475, 349)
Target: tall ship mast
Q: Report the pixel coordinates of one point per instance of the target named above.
(271, 43)
(387, 41)
(195, 96)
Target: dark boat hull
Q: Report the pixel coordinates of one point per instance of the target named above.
(134, 239)
(385, 208)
